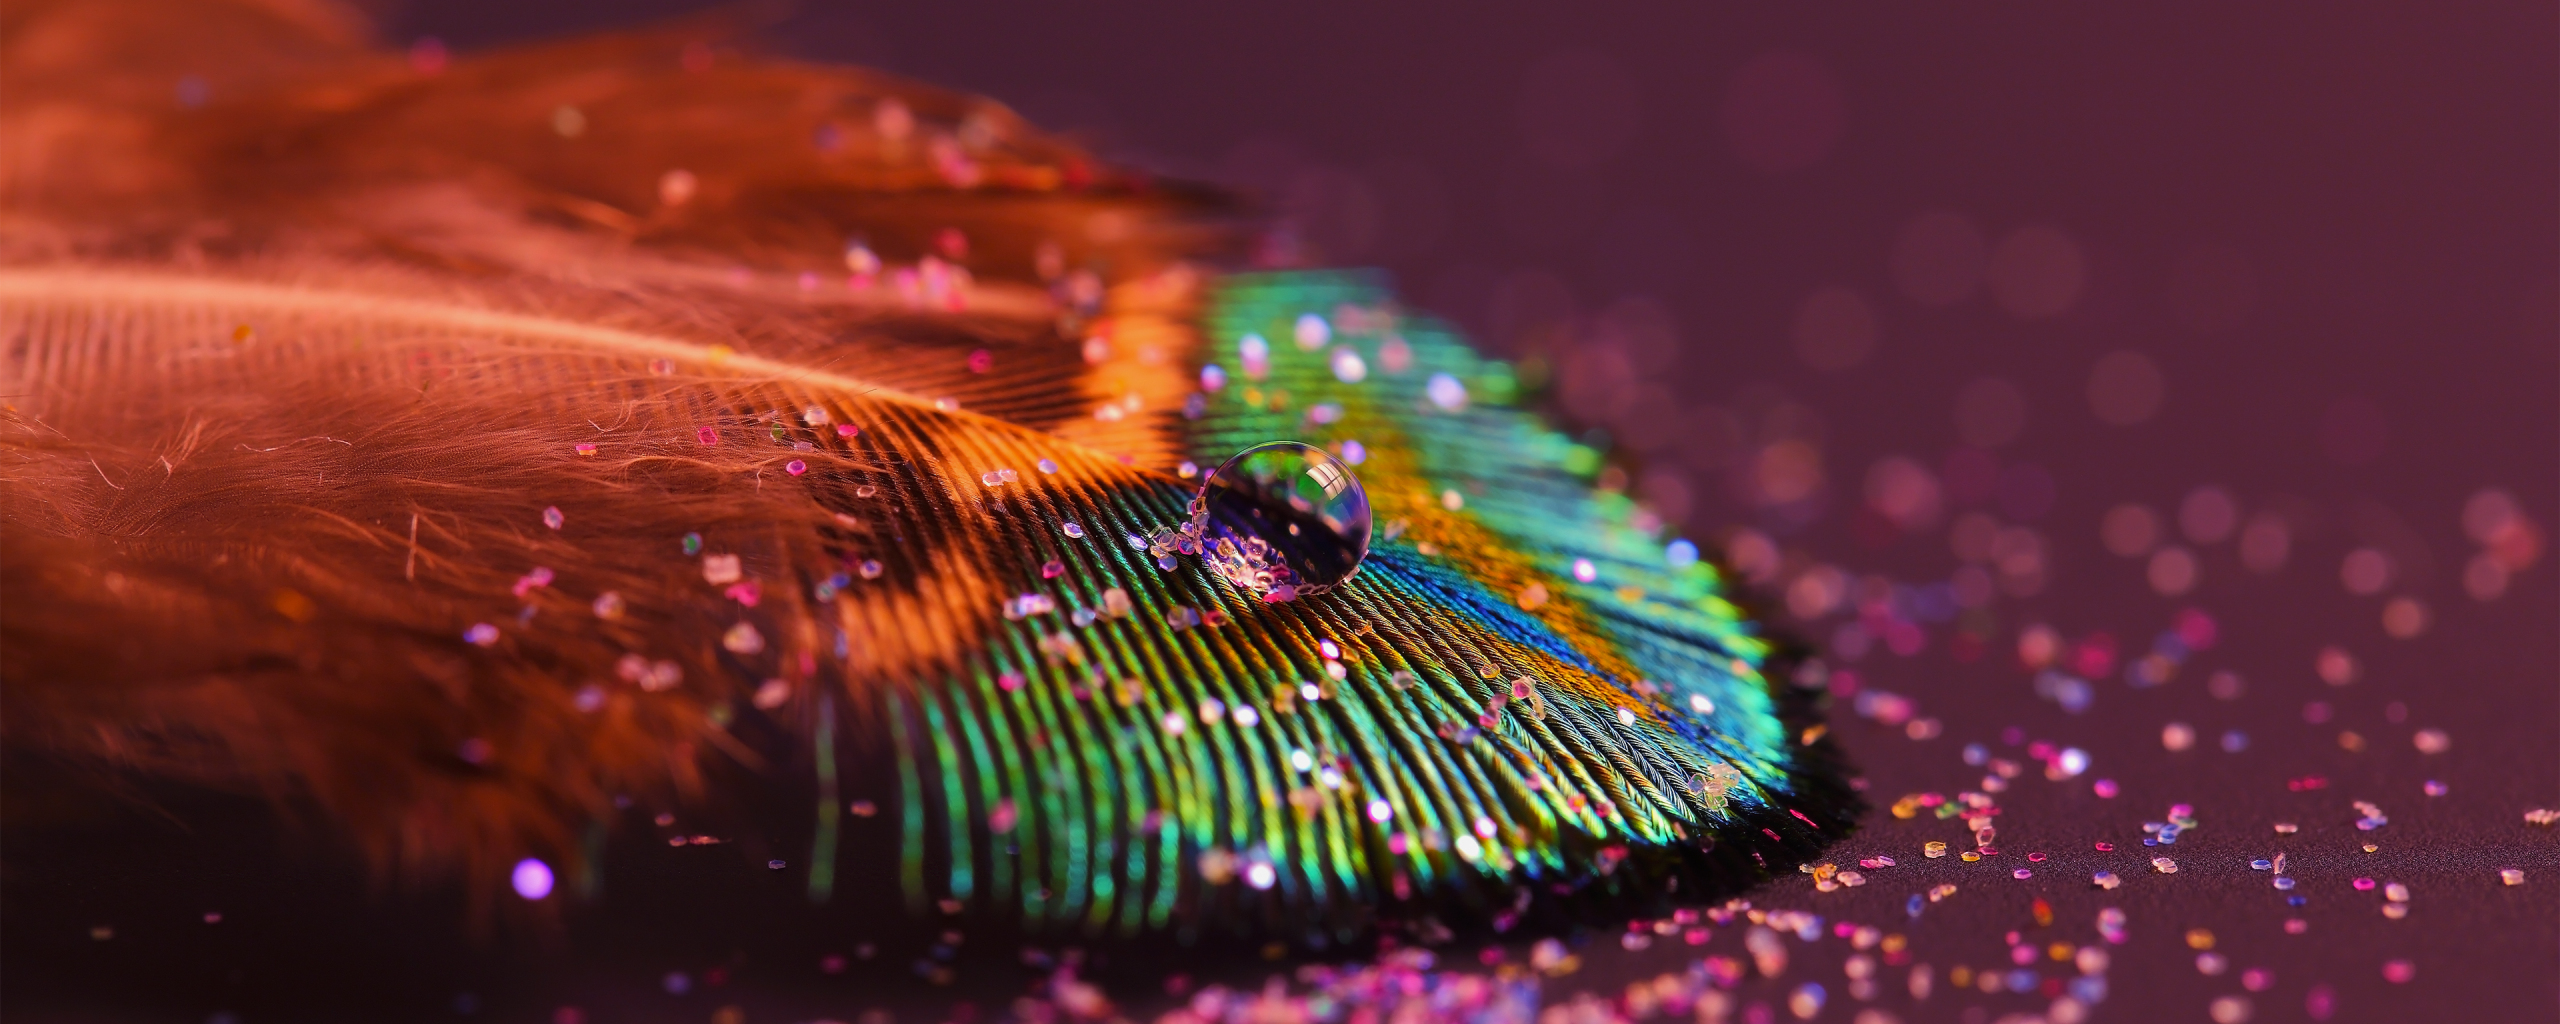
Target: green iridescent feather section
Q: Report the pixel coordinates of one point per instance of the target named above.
(1520, 692)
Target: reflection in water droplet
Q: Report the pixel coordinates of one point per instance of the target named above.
(1281, 520)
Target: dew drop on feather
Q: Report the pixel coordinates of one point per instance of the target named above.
(1281, 517)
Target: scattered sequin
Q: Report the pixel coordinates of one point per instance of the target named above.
(531, 878)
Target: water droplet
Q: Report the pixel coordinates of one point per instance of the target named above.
(1282, 520)
(552, 518)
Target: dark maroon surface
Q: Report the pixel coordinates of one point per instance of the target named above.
(2334, 230)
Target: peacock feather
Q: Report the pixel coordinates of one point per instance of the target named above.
(1519, 686)
(457, 487)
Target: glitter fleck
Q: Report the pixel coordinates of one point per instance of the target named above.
(532, 879)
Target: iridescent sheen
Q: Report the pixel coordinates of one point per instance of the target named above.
(1466, 714)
